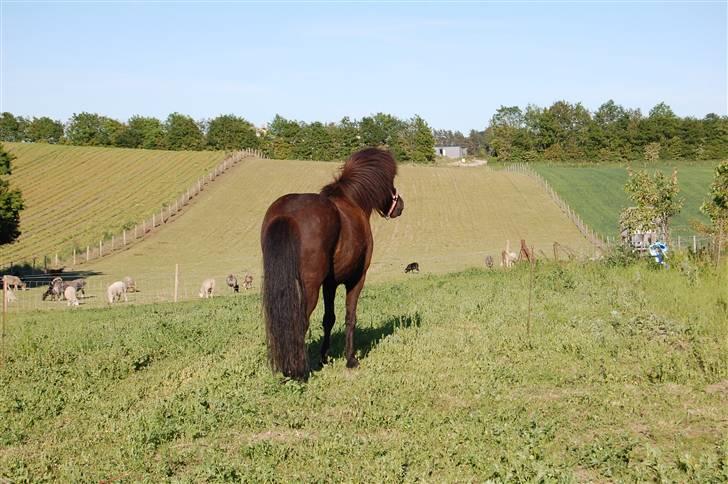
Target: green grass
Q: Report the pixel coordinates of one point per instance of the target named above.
(75, 196)
(624, 377)
(597, 192)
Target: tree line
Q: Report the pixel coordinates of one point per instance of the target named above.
(408, 139)
(570, 132)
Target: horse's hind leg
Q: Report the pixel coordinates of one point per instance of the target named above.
(352, 298)
(329, 318)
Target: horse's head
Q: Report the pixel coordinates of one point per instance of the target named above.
(396, 205)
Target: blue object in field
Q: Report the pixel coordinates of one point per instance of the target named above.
(658, 250)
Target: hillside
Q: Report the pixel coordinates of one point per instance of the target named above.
(597, 192)
(76, 195)
(453, 218)
(615, 382)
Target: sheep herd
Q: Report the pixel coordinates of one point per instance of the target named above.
(71, 290)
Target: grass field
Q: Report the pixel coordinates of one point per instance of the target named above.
(76, 195)
(624, 377)
(453, 218)
(597, 192)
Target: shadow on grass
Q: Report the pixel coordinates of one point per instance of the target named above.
(365, 338)
(39, 276)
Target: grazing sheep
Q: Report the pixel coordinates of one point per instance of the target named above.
(14, 282)
(70, 294)
(232, 283)
(116, 291)
(248, 281)
(78, 284)
(130, 284)
(412, 267)
(208, 288)
(508, 258)
(55, 289)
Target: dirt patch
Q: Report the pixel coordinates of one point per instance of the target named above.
(720, 388)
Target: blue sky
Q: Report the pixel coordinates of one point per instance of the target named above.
(452, 63)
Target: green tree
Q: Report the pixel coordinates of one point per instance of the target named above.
(91, 129)
(229, 132)
(143, 132)
(504, 126)
(10, 128)
(346, 138)
(44, 129)
(656, 201)
(383, 130)
(423, 143)
(280, 138)
(716, 206)
(183, 133)
(11, 201)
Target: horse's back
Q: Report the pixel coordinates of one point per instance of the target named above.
(313, 216)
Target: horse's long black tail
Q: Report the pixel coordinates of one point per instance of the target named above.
(284, 306)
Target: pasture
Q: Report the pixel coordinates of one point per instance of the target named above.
(74, 196)
(596, 192)
(624, 377)
(453, 218)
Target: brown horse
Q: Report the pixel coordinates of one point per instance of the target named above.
(310, 240)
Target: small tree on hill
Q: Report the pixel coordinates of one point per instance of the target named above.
(183, 133)
(10, 128)
(652, 152)
(716, 206)
(423, 146)
(229, 132)
(44, 129)
(11, 202)
(656, 201)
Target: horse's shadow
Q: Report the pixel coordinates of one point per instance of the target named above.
(365, 338)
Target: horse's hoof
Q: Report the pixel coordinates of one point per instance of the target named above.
(352, 363)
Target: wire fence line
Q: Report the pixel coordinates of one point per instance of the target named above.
(77, 256)
(176, 285)
(182, 282)
(590, 234)
(694, 242)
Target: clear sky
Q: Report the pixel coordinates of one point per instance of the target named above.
(452, 63)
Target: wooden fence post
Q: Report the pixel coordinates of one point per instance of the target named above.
(88, 252)
(74, 256)
(124, 236)
(101, 247)
(112, 243)
(56, 259)
(176, 281)
(695, 244)
(154, 220)
(5, 313)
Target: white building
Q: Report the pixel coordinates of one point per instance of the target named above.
(451, 151)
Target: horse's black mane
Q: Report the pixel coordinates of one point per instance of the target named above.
(366, 179)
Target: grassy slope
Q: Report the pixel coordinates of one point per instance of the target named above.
(625, 378)
(597, 192)
(453, 217)
(76, 195)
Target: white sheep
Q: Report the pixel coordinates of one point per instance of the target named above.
(208, 288)
(116, 291)
(70, 295)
